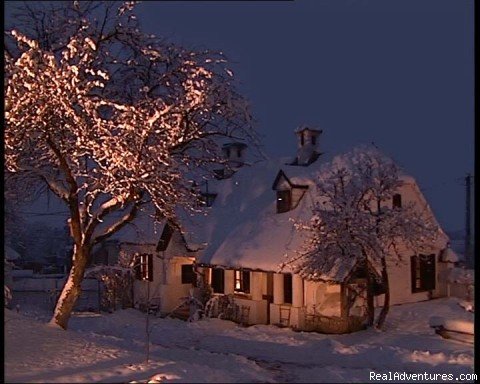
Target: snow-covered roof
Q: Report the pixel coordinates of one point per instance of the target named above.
(448, 255)
(143, 230)
(243, 229)
(461, 275)
(10, 253)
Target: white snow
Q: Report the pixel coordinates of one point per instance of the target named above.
(243, 229)
(462, 276)
(10, 253)
(111, 348)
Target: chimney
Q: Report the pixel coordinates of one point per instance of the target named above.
(308, 145)
(235, 154)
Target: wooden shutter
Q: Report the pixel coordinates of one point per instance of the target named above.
(287, 288)
(413, 267)
(427, 272)
(218, 280)
(188, 276)
(137, 267)
(246, 281)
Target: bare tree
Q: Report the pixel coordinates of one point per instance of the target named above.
(354, 220)
(111, 119)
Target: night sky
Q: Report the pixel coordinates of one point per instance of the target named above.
(396, 73)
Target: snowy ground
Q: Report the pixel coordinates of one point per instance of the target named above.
(111, 348)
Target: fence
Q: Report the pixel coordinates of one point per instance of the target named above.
(42, 292)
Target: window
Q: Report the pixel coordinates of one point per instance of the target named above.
(239, 152)
(188, 274)
(284, 201)
(423, 273)
(397, 201)
(165, 238)
(228, 152)
(207, 199)
(144, 266)
(218, 278)
(242, 281)
(314, 140)
(287, 288)
(302, 138)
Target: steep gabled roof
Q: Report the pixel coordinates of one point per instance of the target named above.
(243, 228)
(281, 175)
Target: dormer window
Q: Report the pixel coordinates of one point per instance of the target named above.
(207, 199)
(314, 140)
(302, 139)
(239, 152)
(284, 201)
(397, 201)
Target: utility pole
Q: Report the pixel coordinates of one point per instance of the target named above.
(468, 254)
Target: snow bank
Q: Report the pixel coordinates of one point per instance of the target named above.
(111, 348)
(461, 276)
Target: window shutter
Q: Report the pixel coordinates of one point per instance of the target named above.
(137, 267)
(246, 281)
(218, 280)
(428, 272)
(287, 288)
(413, 262)
(188, 276)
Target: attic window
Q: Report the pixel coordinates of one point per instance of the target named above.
(284, 201)
(397, 201)
(239, 152)
(207, 199)
(302, 139)
(314, 140)
(242, 281)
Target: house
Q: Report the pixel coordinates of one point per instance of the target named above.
(247, 233)
(162, 260)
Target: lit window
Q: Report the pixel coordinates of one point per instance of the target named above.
(284, 201)
(144, 267)
(242, 281)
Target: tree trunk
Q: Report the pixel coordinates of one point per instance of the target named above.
(386, 304)
(72, 289)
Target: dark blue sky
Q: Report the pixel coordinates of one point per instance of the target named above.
(398, 73)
